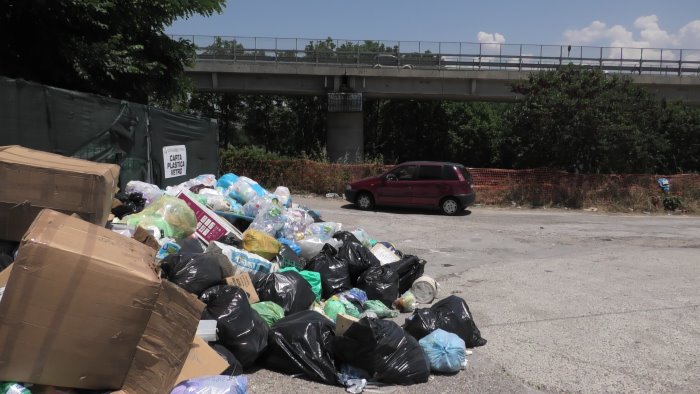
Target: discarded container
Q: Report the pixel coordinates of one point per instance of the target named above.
(242, 260)
(210, 226)
(406, 303)
(207, 330)
(424, 289)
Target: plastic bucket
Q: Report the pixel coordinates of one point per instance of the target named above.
(424, 289)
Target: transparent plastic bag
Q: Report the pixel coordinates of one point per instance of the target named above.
(218, 384)
(252, 208)
(170, 214)
(296, 222)
(270, 219)
(322, 230)
(226, 181)
(149, 192)
(445, 351)
(282, 192)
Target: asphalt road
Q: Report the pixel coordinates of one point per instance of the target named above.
(569, 301)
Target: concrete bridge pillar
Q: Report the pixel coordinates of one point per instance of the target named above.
(345, 128)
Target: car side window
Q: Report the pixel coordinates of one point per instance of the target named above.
(405, 173)
(427, 173)
(449, 174)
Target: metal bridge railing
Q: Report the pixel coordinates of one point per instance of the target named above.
(445, 55)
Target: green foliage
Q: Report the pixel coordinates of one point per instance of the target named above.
(116, 48)
(583, 120)
(671, 203)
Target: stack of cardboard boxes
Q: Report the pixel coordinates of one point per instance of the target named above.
(82, 306)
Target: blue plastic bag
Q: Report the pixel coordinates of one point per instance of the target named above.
(218, 384)
(226, 181)
(446, 351)
(664, 184)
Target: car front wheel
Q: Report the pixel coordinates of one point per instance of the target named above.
(450, 206)
(364, 201)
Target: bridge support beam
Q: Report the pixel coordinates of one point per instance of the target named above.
(345, 138)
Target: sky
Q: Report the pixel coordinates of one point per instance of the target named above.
(617, 23)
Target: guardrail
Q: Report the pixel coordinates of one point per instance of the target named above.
(445, 55)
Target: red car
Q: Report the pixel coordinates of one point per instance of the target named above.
(447, 186)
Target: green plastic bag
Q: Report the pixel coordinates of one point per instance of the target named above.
(314, 279)
(13, 388)
(269, 311)
(380, 309)
(350, 308)
(170, 214)
(333, 308)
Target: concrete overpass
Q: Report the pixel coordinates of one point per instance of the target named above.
(348, 72)
(270, 77)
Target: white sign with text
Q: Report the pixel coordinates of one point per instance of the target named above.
(175, 160)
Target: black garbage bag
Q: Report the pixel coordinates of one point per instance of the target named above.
(380, 283)
(452, 315)
(131, 203)
(235, 368)
(409, 269)
(190, 246)
(241, 329)
(383, 349)
(358, 257)
(288, 258)
(287, 289)
(302, 343)
(195, 273)
(335, 277)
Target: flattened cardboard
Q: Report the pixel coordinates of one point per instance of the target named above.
(146, 238)
(5, 275)
(202, 360)
(33, 180)
(244, 282)
(210, 226)
(84, 307)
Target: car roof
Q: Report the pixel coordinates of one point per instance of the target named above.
(426, 162)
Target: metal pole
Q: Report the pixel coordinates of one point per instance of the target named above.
(661, 62)
(620, 59)
(641, 60)
(680, 63)
(520, 58)
(479, 56)
(255, 51)
(296, 50)
(539, 61)
(277, 57)
(439, 53)
(561, 54)
(600, 59)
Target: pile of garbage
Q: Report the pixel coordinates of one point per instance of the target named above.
(187, 288)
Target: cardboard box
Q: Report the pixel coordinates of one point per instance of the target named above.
(244, 282)
(202, 360)
(210, 226)
(33, 180)
(84, 307)
(5, 275)
(343, 322)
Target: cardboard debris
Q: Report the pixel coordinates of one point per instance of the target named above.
(146, 238)
(384, 254)
(210, 226)
(33, 180)
(244, 282)
(202, 360)
(343, 322)
(5, 275)
(85, 307)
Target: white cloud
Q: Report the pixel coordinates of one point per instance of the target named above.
(491, 42)
(491, 38)
(646, 33)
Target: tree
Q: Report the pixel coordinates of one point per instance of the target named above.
(583, 120)
(116, 48)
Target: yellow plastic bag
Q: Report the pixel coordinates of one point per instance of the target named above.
(261, 244)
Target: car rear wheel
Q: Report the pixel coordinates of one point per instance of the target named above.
(450, 206)
(364, 201)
